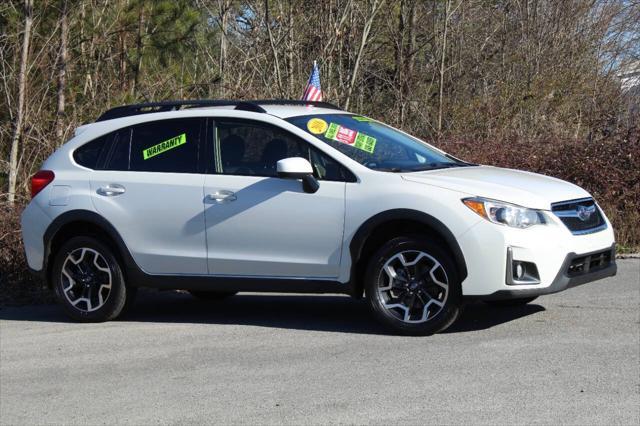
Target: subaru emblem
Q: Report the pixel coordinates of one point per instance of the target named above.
(584, 212)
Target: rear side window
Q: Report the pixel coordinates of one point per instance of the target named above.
(170, 146)
(89, 154)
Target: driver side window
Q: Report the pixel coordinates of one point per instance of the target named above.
(252, 148)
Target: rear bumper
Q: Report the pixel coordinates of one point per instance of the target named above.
(34, 223)
(564, 279)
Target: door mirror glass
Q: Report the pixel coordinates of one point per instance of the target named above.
(298, 168)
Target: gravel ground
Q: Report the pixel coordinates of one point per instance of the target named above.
(572, 357)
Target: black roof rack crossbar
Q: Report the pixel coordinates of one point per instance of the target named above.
(163, 106)
(249, 106)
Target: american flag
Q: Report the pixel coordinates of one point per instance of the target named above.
(313, 92)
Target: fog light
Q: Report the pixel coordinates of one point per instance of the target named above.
(520, 272)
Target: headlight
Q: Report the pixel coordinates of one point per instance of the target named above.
(505, 213)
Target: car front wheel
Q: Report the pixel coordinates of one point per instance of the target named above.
(412, 286)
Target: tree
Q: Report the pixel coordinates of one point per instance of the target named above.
(20, 109)
(62, 70)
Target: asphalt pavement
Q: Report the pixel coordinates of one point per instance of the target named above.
(572, 357)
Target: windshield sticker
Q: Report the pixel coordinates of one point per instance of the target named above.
(350, 137)
(317, 126)
(362, 119)
(164, 146)
(345, 135)
(365, 143)
(332, 133)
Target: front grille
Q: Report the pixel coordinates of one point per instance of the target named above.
(590, 263)
(580, 216)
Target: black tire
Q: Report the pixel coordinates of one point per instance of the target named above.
(511, 302)
(113, 302)
(132, 296)
(451, 301)
(212, 295)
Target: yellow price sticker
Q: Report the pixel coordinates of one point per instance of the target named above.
(317, 126)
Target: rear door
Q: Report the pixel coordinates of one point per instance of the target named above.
(151, 191)
(259, 225)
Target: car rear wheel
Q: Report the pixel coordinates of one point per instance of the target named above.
(511, 302)
(212, 295)
(88, 280)
(412, 286)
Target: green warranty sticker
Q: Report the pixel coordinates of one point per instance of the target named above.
(164, 146)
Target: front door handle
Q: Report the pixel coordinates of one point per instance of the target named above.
(111, 190)
(221, 196)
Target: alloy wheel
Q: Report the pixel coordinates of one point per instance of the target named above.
(413, 286)
(86, 279)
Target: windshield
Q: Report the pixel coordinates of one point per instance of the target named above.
(373, 144)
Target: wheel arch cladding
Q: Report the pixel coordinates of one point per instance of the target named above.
(379, 229)
(82, 223)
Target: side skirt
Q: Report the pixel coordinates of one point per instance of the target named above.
(137, 278)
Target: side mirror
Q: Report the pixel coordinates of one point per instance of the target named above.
(298, 168)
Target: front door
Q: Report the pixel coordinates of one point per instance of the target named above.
(259, 225)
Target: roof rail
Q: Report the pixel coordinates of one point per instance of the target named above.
(163, 106)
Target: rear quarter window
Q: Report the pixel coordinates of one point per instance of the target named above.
(89, 154)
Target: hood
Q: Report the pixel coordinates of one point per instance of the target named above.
(513, 186)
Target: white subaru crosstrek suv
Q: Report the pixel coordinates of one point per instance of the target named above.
(216, 197)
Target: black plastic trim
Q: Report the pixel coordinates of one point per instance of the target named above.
(561, 282)
(88, 217)
(138, 278)
(39, 274)
(362, 234)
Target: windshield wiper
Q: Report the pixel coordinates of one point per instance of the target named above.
(436, 166)
(391, 169)
(449, 165)
(431, 166)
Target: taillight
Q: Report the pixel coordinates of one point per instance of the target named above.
(40, 180)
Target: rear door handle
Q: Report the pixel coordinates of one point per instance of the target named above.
(221, 196)
(111, 190)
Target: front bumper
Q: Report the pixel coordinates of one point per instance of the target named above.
(564, 279)
(489, 248)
